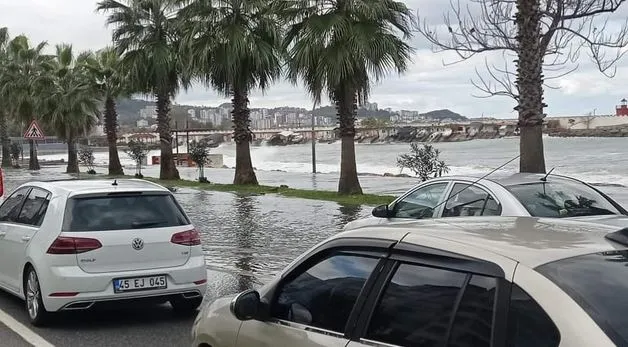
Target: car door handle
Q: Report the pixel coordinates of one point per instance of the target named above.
(26, 238)
(2, 234)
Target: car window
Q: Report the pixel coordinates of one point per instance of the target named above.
(418, 303)
(34, 208)
(473, 325)
(420, 203)
(598, 282)
(10, 208)
(528, 324)
(467, 200)
(121, 212)
(324, 295)
(561, 198)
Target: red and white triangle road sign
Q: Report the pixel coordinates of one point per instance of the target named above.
(34, 131)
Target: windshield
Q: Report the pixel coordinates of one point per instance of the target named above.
(598, 283)
(561, 198)
(121, 212)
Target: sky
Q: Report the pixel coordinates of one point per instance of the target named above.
(430, 82)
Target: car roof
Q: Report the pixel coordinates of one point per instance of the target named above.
(505, 180)
(530, 241)
(70, 187)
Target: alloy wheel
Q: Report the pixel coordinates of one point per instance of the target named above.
(32, 295)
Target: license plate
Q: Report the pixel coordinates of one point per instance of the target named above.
(122, 285)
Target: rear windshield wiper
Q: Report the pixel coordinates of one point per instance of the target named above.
(137, 225)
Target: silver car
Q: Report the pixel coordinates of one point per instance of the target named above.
(476, 281)
(536, 195)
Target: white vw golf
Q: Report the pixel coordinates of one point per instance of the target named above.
(69, 244)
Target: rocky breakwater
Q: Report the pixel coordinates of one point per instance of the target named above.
(610, 131)
(440, 133)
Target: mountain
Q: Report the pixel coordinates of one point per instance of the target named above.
(442, 115)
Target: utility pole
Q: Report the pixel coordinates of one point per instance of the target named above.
(313, 141)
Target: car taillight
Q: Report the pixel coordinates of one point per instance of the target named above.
(187, 238)
(73, 245)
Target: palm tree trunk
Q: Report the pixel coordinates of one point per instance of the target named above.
(33, 163)
(346, 106)
(530, 87)
(242, 135)
(168, 171)
(111, 123)
(73, 166)
(6, 142)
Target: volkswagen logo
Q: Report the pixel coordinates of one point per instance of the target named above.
(137, 244)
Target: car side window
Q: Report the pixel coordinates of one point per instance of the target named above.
(528, 324)
(420, 203)
(466, 200)
(473, 325)
(418, 304)
(323, 296)
(10, 208)
(34, 208)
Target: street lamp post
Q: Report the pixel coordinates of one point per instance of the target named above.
(313, 141)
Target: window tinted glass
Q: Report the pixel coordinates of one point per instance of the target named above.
(561, 198)
(324, 295)
(466, 200)
(528, 324)
(473, 325)
(421, 202)
(123, 212)
(34, 208)
(10, 208)
(598, 282)
(416, 307)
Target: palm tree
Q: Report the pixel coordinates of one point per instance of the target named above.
(108, 74)
(72, 107)
(234, 46)
(28, 77)
(4, 136)
(146, 33)
(342, 47)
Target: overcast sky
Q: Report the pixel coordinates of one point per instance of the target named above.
(428, 84)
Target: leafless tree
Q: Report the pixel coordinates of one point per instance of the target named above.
(544, 38)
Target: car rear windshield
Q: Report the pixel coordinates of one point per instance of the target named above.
(598, 283)
(123, 211)
(561, 198)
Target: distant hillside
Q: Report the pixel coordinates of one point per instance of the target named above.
(444, 114)
(128, 112)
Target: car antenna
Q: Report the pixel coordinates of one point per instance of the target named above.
(115, 182)
(544, 178)
(478, 180)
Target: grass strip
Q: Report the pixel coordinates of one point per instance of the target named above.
(364, 199)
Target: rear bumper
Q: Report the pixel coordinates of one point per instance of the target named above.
(188, 280)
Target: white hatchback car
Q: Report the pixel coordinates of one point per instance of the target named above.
(68, 244)
(469, 281)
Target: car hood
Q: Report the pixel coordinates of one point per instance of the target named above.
(620, 221)
(363, 222)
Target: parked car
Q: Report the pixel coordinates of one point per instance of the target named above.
(537, 195)
(475, 281)
(70, 244)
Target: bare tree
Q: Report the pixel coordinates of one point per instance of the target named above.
(544, 38)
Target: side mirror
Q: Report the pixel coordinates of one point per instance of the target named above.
(245, 305)
(382, 211)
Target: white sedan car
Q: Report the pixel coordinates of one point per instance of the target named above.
(70, 244)
(536, 195)
(475, 281)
